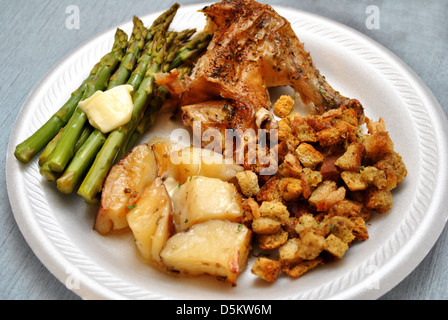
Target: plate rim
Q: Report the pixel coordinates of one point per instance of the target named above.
(55, 262)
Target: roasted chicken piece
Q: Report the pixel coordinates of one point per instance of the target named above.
(254, 48)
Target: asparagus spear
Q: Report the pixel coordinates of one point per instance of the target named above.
(192, 49)
(94, 179)
(52, 144)
(161, 20)
(136, 44)
(83, 138)
(160, 23)
(178, 40)
(64, 150)
(88, 150)
(49, 148)
(82, 159)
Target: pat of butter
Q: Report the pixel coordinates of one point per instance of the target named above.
(110, 109)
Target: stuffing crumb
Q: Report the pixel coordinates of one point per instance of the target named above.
(374, 176)
(283, 106)
(308, 155)
(267, 269)
(378, 200)
(354, 181)
(299, 269)
(248, 182)
(306, 221)
(288, 252)
(291, 188)
(265, 225)
(352, 158)
(272, 241)
(335, 246)
(275, 210)
(290, 167)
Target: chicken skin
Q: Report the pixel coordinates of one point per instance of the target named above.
(253, 49)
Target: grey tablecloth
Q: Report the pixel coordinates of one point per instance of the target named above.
(34, 35)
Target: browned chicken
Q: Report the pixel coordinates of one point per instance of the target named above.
(253, 48)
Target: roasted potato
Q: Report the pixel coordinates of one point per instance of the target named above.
(202, 198)
(214, 247)
(150, 220)
(124, 183)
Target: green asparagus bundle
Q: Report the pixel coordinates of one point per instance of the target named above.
(26, 150)
(84, 156)
(64, 150)
(93, 182)
(65, 147)
(173, 43)
(72, 146)
(135, 74)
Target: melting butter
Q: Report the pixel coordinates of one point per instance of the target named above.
(110, 109)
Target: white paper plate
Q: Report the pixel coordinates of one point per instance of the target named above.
(58, 228)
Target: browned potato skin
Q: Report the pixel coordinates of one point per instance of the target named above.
(124, 183)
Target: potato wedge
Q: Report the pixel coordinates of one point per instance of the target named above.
(214, 247)
(202, 198)
(150, 220)
(124, 183)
